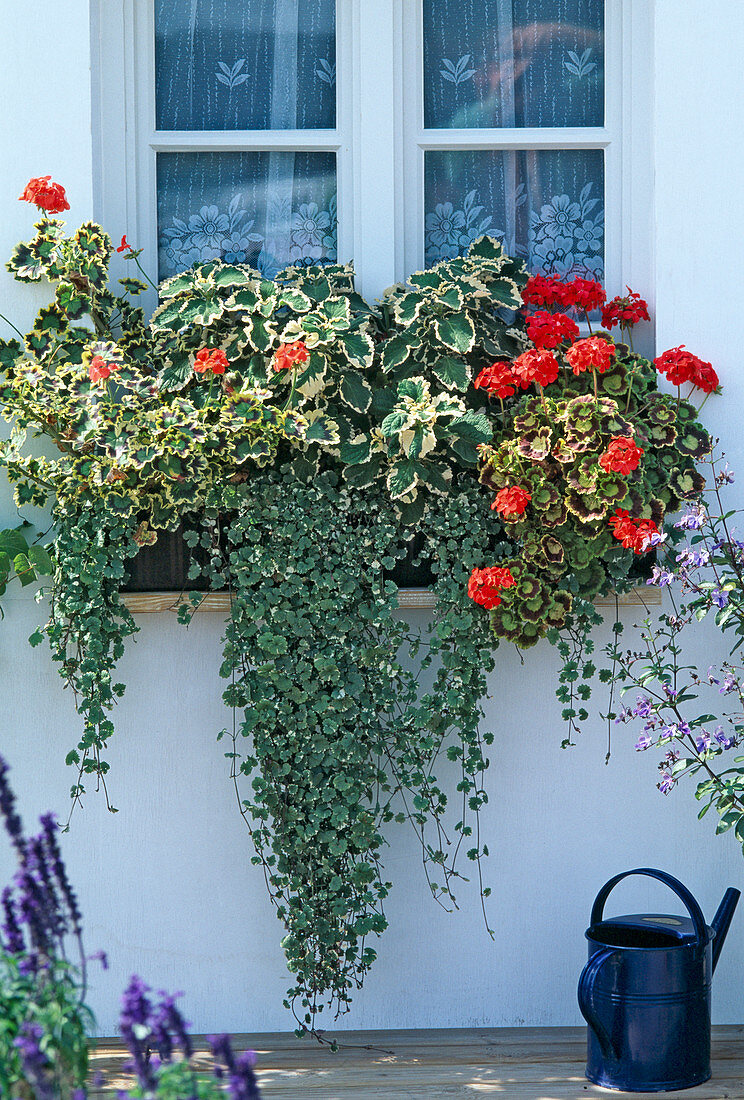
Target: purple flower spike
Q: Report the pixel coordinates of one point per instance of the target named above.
(49, 826)
(135, 1025)
(13, 824)
(14, 942)
(36, 1065)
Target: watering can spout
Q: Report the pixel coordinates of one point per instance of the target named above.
(722, 920)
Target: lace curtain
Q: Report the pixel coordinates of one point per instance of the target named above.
(253, 65)
(527, 64)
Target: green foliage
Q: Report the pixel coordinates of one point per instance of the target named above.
(21, 560)
(51, 1002)
(308, 441)
(335, 740)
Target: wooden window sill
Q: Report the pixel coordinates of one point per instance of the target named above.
(148, 603)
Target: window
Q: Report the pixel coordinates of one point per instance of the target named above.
(390, 131)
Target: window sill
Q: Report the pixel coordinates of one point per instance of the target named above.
(149, 603)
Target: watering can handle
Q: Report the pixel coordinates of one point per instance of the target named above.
(696, 913)
(586, 1000)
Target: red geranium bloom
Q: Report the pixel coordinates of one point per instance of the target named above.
(125, 246)
(548, 330)
(544, 290)
(100, 369)
(498, 379)
(536, 365)
(212, 359)
(287, 355)
(511, 501)
(625, 311)
(632, 533)
(681, 366)
(485, 584)
(592, 353)
(622, 456)
(704, 377)
(583, 294)
(47, 196)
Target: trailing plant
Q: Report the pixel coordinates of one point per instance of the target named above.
(695, 716)
(307, 441)
(44, 1023)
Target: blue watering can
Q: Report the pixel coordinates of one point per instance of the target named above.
(645, 992)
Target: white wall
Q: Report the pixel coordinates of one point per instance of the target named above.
(166, 884)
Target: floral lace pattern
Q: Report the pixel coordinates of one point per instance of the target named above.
(567, 236)
(211, 233)
(563, 234)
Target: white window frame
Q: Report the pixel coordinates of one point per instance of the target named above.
(379, 140)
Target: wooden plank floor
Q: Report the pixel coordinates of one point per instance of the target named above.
(524, 1063)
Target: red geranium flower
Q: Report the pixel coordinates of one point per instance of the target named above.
(498, 379)
(100, 369)
(125, 246)
(212, 359)
(681, 366)
(583, 294)
(625, 311)
(622, 456)
(485, 584)
(47, 196)
(548, 330)
(544, 290)
(511, 501)
(592, 353)
(286, 355)
(704, 377)
(632, 533)
(536, 365)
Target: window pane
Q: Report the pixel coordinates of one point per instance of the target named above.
(247, 65)
(546, 206)
(513, 63)
(263, 209)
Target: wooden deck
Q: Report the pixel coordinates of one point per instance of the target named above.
(523, 1063)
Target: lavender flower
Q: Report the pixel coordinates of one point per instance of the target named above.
(666, 783)
(670, 692)
(661, 578)
(644, 707)
(657, 538)
(645, 741)
(693, 519)
(719, 597)
(729, 684)
(724, 741)
(702, 741)
(725, 476)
